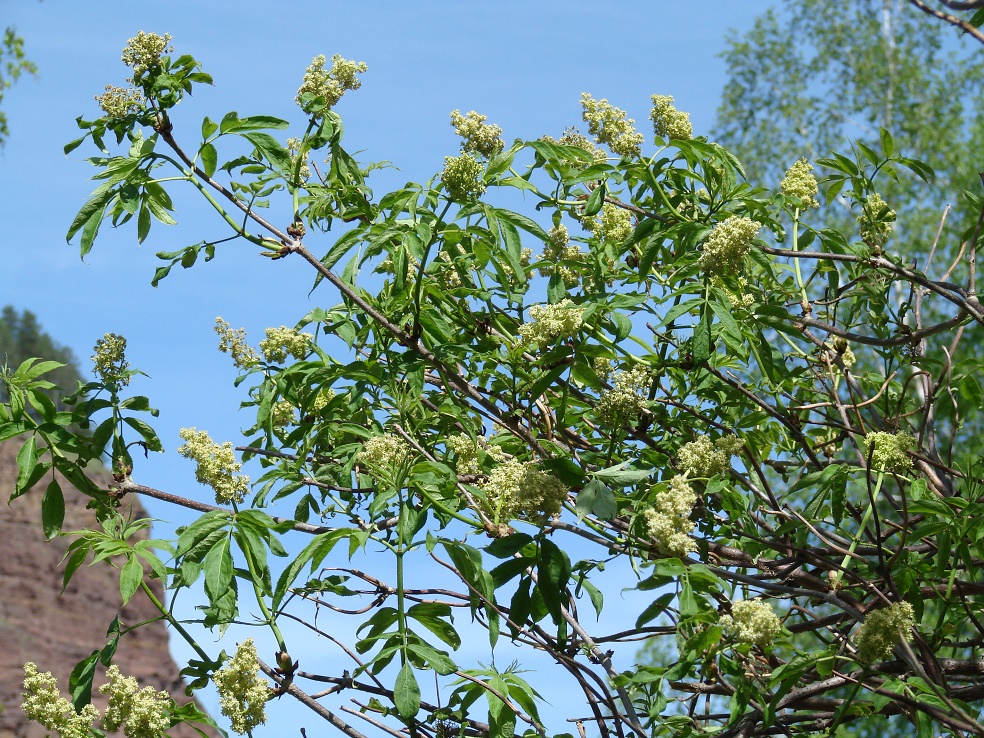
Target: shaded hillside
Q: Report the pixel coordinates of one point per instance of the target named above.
(56, 632)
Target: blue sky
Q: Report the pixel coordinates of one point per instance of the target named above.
(524, 64)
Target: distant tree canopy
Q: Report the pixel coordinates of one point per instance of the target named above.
(21, 337)
(810, 76)
(13, 63)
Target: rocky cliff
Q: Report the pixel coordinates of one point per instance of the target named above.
(55, 630)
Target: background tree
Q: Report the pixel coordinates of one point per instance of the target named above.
(644, 380)
(13, 63)
(812, 75)
(21, 338)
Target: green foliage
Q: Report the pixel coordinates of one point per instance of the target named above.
(704, 400)
(22, 338)
(13, 63)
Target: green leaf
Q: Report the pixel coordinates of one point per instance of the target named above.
(514, 250)
(887, 144)
(595, 200)
(554, 570)
(437, 660)
(314, 553)
(620, 475)
(80, 681)
(208, 128)
(270, 148)
(130, 577)
(597, 498)
(27, 460)
(52, 509)
(702, 336)
(406, 693)
(218, 570)
(146, 432)
(210, 159)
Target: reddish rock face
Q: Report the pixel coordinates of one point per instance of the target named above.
(56, 632)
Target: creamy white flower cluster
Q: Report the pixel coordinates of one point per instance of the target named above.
(109, 359)
(728, 244)
(610, 125)
(561, 249)
(876, 221)
(573, 137)
(143, 52)
(142, 713)
(800, 182)
(628, 396)
(891, 450)
(283, 341)
(216, 465)
(466, 452)
(243, 693)
(284, 412)
(668, 122)
(882, 629)
(386, 457)
(462, 176)
(119, 102)
(294, 149)
(479, 136)
(667, 523)
(332, 83)
(44, 705)
(518, 490)
(614, 225)
(703, 458)
(550, 322)
(752, 621)
(234, 342)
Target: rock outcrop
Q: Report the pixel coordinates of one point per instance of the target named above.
(55, 630)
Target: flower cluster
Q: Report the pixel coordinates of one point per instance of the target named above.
(143, 713)
(891, 450)
(610, 125)
(704, 459)
(280, 342)
(143, 52)
(44, 705)
(479, 136)
(726, 247)
(217, 465)
(800, 182)
(550, 322)
(876, 221)
(466, 452)
(614, 226)
(110, 361)
(560, 249)
(294, 149)
(462, 175)
(283, 412)
(752, 621)
(881, 630)
(667, 523)
(668, 122)
(119, 102)
(518, 490)
(234, 342)
(628, 396)
(385, 456)
(331, 84)
(243, 693)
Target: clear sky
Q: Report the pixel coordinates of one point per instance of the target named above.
(522, 63)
